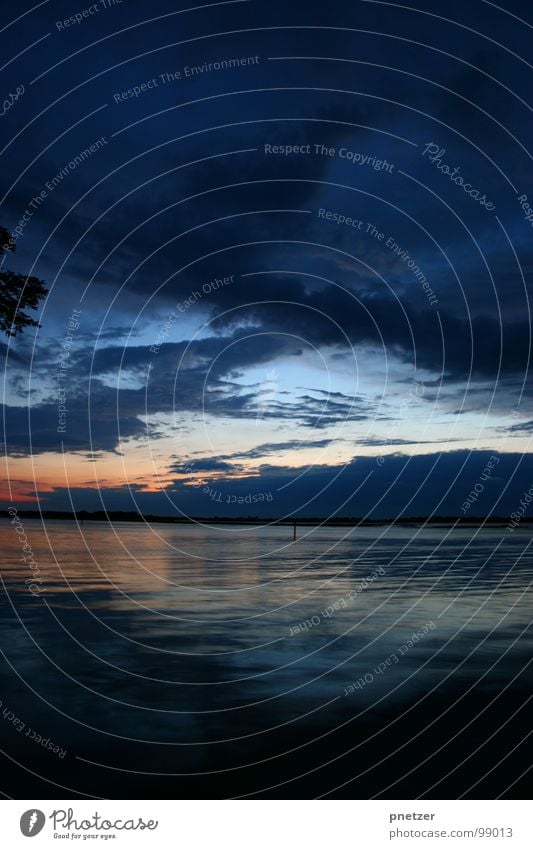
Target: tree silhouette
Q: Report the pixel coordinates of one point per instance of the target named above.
(17, 293)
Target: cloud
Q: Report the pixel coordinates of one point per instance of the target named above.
(202, 464)
(386, 486)
(227, 462)
(522, 428)
(377, 487)
(267, 448)
(39, 429)
(153, 223)
(377, 441)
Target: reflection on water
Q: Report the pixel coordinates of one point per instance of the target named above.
(183, 655)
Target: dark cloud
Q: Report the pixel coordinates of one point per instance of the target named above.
(202, 464)
(522, 428)
(185, 193)
(376, 441)
(44, 427)
(225, 462)
(378, 487)
(267, 448)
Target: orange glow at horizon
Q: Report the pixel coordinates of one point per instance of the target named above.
(148, 467)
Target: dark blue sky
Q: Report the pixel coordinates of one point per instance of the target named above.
(288, 254)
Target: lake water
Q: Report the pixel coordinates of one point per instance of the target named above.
(184, 661)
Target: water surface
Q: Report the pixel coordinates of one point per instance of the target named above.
(175, 661)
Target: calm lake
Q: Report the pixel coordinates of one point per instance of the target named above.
(213, 662)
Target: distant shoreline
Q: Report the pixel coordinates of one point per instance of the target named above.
(310, 521)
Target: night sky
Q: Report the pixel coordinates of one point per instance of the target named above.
(288, 254)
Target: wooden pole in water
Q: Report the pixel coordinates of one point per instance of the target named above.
(294, 531)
